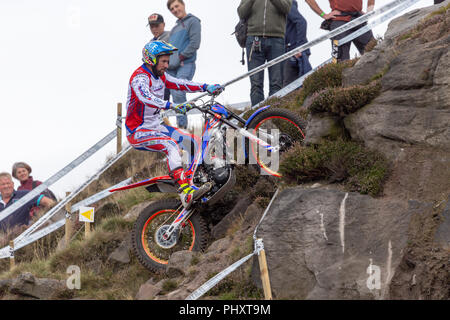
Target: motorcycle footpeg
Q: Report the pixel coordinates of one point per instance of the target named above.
(202, 190)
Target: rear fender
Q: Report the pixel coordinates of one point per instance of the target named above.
(165, 183)
(162, 186)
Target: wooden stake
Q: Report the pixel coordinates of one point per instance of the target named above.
(87, 230)
(12, 262)
(68, 225)
(264, 274)
(119, 127)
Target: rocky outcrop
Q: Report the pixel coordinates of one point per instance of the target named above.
(322, 244)
(414, 106)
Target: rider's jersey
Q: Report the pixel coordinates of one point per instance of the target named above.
(146, 97)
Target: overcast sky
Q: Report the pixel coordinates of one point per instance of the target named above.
(65, 64)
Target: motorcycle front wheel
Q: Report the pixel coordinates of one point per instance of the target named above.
(277, 127)
(151, 249)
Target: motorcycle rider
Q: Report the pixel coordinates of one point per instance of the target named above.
(145, 101)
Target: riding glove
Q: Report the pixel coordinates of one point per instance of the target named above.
(214, 89)
(183, 108)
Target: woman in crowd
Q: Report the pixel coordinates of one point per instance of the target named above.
(21, 171)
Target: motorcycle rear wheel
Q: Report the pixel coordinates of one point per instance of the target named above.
(147, 233)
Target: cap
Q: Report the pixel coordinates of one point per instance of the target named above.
(155, 18)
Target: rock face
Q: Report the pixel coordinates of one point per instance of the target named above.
(327, 244)
(414, 106)
(321, 244)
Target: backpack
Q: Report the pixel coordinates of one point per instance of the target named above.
(47, 192)
(240, 32)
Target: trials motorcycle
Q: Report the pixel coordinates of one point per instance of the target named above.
(165, 226)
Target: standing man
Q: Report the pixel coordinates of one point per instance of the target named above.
(342, 11)
(297, 65)
(266, 21)
(157, 25)
(186, 36)
(8, 196)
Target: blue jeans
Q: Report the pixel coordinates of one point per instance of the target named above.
(183, 72)
(270, 49)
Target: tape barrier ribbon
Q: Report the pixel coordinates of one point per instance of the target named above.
(376, 22)
(55, 226)
(41, 233)
(62, 203)
(217, 278)
(98, 196)
(39, 189)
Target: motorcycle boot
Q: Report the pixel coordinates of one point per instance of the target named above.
(186, 192)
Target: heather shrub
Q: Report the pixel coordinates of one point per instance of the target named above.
(343, 101)
(348, 162)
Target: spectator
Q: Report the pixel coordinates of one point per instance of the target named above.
(265, 41)
(21, 171)
(22, 215)
(157, 25)
(297, 65)
(342, 12)
(186, 36)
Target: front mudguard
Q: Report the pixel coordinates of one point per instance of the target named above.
(247, 123)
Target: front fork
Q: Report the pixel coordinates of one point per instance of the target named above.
(182, 217)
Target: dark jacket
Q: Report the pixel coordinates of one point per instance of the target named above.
(265, 18)
(296, 27)
(22, 215)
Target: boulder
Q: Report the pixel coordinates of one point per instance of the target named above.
(149, 290)
(39, 288)
(320, 126)
(122, 253)
(328, 244)
(179, 263)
